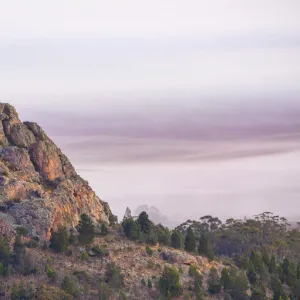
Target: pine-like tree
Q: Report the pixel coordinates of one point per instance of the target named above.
(190, 240)
(176, 239)
(86, 230)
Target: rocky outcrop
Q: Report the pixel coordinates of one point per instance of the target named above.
(39, 187)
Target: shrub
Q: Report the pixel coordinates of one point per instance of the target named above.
(169, 284)
(144, 222)
(103, 230)
(131, 228)
(103, 292)
(149, 251)
(20, 291)
(150, 285)
(47, 292)
(176, 239)
(22, 231)
(84, 256)
(86, 230)
(50, 272)
(214, 285)
(193, 270)
(70, 286)
(114, 277)
(101, 252)
(59, 241)
(190, 240)
(143, 282)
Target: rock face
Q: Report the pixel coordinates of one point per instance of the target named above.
(39, 187)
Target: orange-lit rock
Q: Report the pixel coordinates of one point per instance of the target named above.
(39, 187)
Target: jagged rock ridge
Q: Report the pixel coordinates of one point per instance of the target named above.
(39, 187)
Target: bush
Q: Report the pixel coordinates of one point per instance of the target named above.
(86, 230)
(150, 285)
(214, 285)
(169, 284)
(143, 282)
(190, 240)
(59, 241)
(20, 291)
(103, 230)
(84, 256)
(193, 271)
(51, 274)
(46, 292)
(70, 286)
(104, 292)
(149, 251)
(176, 239)
(101, 252)
(131, 228)
(114, 277)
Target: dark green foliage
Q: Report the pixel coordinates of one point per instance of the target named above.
(84, 256)
(131, 228)
(122, 296)
(103, 230)
(144, 222)
(73, 238)
(149, 251)
(99, 251)
(163, 235)
(104, 292)
(22, 231)
(113, 220)
(176, 239)
(214, 286)
(143, 282)
(278, 291)
(190, 240)
(205, 247)
(235, 283)
(22, 291)
(70, 285)
(150, 285)
(169, 283)
(258, 293)
(272, 265)
(51, 274)
(256, 261)
(114, 277)
(251, 273)
(59, 241)
(199, 293)
(19, 255)
(4, 251)
(86, 230)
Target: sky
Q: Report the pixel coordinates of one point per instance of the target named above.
(159, 101)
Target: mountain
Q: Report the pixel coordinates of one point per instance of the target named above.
(39, 188)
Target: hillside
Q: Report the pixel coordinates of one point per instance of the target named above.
(58, 240)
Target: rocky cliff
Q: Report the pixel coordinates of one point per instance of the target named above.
(39, 187)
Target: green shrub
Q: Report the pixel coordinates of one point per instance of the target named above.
(176, 239)
(50, 272)
(169, 283)
(104, 292)
(70, 286)
(84, 256)
(99, 251)
(150, 285)
(149, 251)
(143, 282)
(114, 277)
(103, 230)
(86, 230)
(59, 241)
(214, 285)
